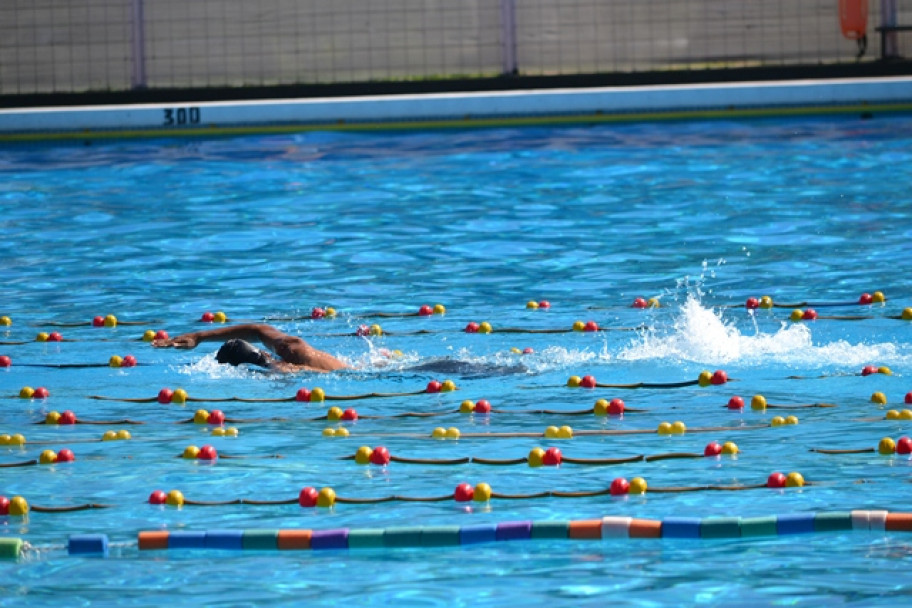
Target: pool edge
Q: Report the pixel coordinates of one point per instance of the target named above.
(462, 110)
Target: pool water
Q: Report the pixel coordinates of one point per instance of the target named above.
(699, 215)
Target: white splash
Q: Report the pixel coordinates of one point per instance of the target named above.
(207, 365)
(703, 335)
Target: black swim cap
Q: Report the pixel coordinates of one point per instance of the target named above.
(238, 351)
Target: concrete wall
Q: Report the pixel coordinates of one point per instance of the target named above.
(82, 45)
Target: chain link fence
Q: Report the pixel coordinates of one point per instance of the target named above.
(67, 46)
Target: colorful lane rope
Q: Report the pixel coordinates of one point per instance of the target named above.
(605, 528)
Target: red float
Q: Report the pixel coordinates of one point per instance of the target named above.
(67, 417)
(713, 448)
(380, 456)
(158, 497)
(616, 407)
(207, 317)
(775, 480)
(308, 497)
(482, 406)
(588, 382)
(552, 457)
(719, 377)
(619, 487)
(464, 493)
(65, 455)
(904, 445)
(164, 395)
(752, 304)
(736, 403)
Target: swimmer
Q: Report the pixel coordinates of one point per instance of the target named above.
(294, 353)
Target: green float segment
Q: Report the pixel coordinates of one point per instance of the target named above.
(10, 548)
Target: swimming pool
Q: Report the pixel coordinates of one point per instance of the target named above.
(700, 215)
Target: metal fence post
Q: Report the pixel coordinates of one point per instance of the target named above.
(139, 46)
(508, 35)
(888, 19)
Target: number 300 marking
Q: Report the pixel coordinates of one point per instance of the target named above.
(182, 116)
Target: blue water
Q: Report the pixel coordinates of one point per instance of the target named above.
(701, 215)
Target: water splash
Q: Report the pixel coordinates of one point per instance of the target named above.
(207, 365)
(703, 335)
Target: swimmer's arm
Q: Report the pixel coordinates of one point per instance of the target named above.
(266, 334)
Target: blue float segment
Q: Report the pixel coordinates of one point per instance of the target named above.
(720, 527)
(795, 523)
(440, 536)
(514, 530)
(186, 540)
(404, 536)
(481, 533)
(329, 539)
(758, 526)
(224, 539)
(835, 521)
(260, 540)
(88, 544)
(366, 538)
(550, 529)
(681, 527)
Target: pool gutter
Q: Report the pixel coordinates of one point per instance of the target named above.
(462, 110)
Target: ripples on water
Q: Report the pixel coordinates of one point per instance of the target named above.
(701, 215)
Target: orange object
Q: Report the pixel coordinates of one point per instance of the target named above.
(853, 18)
(294, 539)
(899, 522)
(586, 529)
(153, 540)
(645, 528)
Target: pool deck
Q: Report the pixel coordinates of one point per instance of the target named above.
(457, 110)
